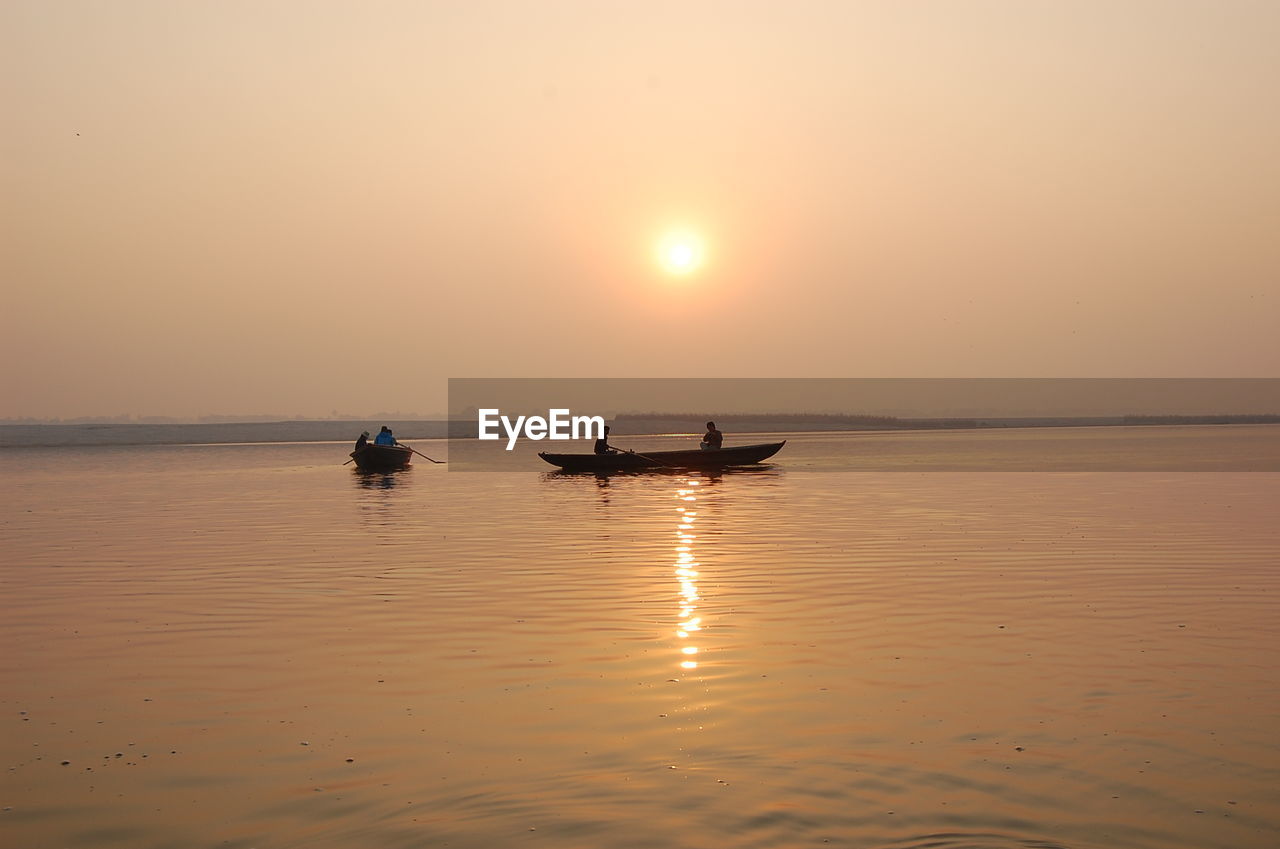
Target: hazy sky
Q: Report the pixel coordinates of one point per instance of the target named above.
(301, 207)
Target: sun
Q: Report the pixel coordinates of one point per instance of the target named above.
(680, 252)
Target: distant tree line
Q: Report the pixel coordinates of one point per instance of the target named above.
(863, 421)
(762, 422)
(1217, 419)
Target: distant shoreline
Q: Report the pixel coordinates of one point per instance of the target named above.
(741, 423)
(53, 435)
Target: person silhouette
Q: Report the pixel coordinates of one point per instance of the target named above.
(602, 444)
(712, 439)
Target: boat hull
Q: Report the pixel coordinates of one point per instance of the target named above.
(720, 458)
(382, 458)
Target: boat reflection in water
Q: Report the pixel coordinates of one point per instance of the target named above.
(383, 502)
(380, 480)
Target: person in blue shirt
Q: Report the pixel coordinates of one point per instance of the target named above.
(384, 437)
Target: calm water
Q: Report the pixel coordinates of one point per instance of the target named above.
(251, 646)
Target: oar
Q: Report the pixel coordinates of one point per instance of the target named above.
(647, 457)
(423, 456)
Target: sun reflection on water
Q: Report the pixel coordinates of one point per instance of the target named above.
(687, 573)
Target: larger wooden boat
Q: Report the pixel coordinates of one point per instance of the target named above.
(382, 458)
(715, 458)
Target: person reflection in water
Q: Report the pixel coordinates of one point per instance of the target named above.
(712, 439)
(602, 444)
(361, 442)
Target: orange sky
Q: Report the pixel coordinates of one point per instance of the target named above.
(306, 207)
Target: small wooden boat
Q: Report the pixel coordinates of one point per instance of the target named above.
(382, 458)
(715, 458)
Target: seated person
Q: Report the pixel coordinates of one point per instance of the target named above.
(384, 437)
(602, 444)
(362, 441)
(712, 439)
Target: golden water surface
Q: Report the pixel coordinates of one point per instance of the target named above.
(251, 646)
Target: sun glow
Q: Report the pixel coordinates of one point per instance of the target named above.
(680, 252)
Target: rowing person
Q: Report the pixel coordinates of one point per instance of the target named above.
(384, 437)
(712, 439)
(361, 442)
(602, 444)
